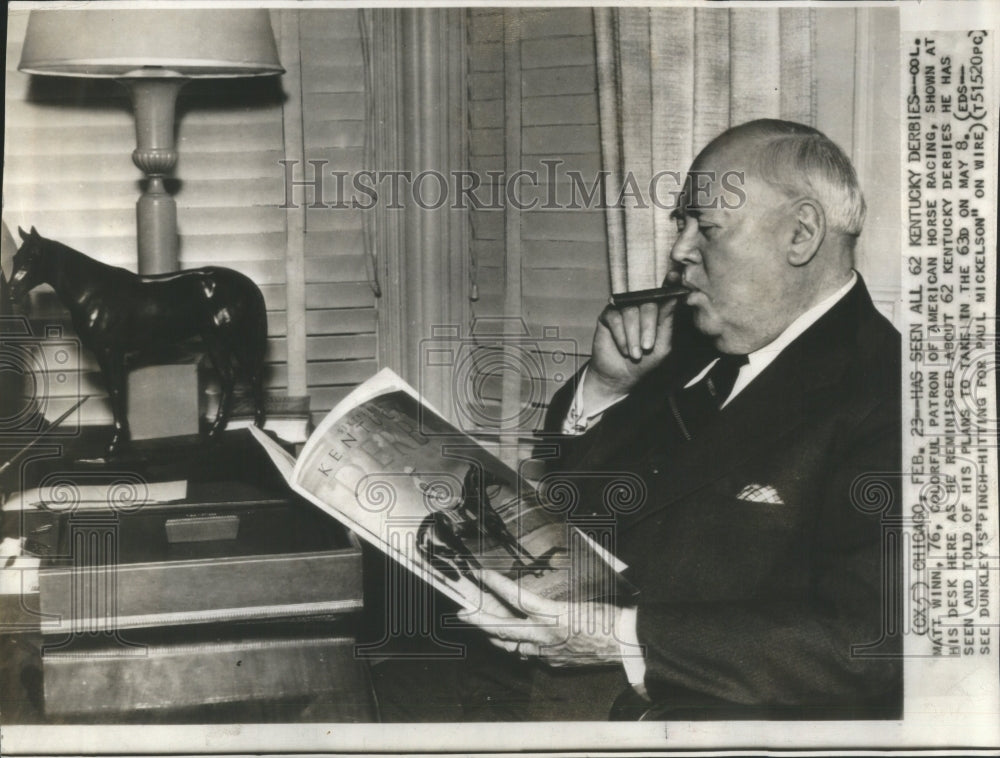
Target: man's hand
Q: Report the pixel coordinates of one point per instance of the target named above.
(560, 633)
(628, 343)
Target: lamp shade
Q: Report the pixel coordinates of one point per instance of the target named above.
(126, 43)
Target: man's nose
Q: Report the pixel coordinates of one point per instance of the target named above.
(685, 250)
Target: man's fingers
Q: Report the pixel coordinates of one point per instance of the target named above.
(630, 318)
(509, 645)
(648, 323)
(514, 595)
(492, 604)
(516, 630)
(612, 320)
(498, 626)
(500, 585)
(638, 329)
(663, 326)
(517, 596)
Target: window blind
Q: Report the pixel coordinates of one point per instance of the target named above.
(68, 171)
(341, 315)
(562, 267)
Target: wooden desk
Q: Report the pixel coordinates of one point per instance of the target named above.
(297, 665)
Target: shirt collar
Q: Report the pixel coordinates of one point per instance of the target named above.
(761, 357)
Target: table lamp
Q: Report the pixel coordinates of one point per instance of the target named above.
(154, 53)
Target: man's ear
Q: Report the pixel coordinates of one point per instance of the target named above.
(808, 233)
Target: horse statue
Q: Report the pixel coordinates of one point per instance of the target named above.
(118, 315)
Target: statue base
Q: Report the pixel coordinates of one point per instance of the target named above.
(163, 400)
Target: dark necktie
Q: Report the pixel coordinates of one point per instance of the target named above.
(693, 407)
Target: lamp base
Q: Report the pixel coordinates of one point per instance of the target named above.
(156, 220)
(154, 100)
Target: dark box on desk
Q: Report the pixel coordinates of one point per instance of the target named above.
(230, 551)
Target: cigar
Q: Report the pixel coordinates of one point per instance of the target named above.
(655, 295)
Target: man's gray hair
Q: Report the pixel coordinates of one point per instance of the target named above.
(803, 161)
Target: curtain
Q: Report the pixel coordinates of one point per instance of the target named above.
(671, 79)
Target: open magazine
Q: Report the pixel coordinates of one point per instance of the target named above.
(395, 472)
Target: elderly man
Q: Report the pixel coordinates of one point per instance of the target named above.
(763, 586)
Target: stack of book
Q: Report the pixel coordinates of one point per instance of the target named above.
(158, 597)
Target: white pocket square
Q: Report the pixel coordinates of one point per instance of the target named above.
(760, 493)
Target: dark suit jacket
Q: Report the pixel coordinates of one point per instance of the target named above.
(749, 608)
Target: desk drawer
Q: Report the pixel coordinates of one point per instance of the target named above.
(320, 671)
(186, 564)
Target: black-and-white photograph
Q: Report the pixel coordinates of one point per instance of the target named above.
(380, 377)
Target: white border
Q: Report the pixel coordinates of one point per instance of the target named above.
(962, 730)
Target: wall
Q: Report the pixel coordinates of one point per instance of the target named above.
(857, 65)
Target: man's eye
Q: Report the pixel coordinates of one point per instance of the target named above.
(707, 229)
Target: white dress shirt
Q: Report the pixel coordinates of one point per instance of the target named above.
(579, 419)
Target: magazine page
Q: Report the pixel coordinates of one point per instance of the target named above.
(438, 502)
